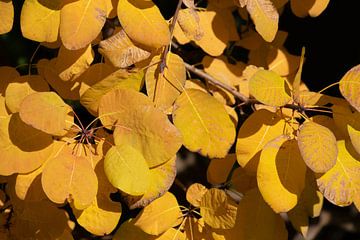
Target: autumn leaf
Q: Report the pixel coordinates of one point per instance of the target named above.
(7, 16)
(350, 87)
(194, 194)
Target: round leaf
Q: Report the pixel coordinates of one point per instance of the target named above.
(350, 87)
(195, 193)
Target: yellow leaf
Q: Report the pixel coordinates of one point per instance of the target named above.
(217, 210)
(194, 194)
(219, 169)
(21, 87)
(354, 133)
(241, 181)
(204, 123)
(3, 111)
(81, 22)
(269, 88)
(111, 6)
(39, 22)
(265, 17)
(55, 118)
(127, 170)
(350, 87)
(330, 124)
(121, 51)
(121, 79)
(22, 148)
(216, 34)
(180, 35)
(197, 229)
(341, 184)
(303, 8)
(71, 64)
(297, 80)
(318, 146)
(7, 16)
(232, 114)
(129, 231)
(160, 215)
(281, 174)
(258, 129)
(161, 179)
(247, 223)
(143, 22)
(71, 177)
(227, 16)
(282, 62)
(7, 75)
(164, 87)
(189, 22)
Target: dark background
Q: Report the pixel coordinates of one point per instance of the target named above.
(332, 43)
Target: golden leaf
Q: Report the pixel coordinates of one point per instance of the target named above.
(189, 22)
(318, 146)
(121, 52)
(265, 17)
(194, 194)
(217, 210)
(281, 174)
(143, 23)
(81, 22)
(39, 22)
(204, 123)
(22, 148)
(341, 184)
(160, 215)
(7, 16)
(282, 62)
(258, 129)
(269, 88)
(164, 87)
(350, 87)
(219, 169)
(303, 8)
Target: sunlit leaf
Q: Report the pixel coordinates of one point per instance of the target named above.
(143, 23)
(161, 179)
(22, 148)
(258, 129)
(194, 194)
(71, 64)
(39, 22)
(219, 169)
(247, 223)
(217, 209)
(281, 173)
(160, 215)
(269, 88)
(354, 133)
(180, 35)
(318, 146)
(189, 22)
(216, 34)
(137, 122)
(204, 123)
(121, 51)
(55, 117)
(265, 17)
(282, 62)
(21, 87)
(350, 87)
(303, 8)
(70, 177)
(7, 16)
(164, 87)
(81, 22)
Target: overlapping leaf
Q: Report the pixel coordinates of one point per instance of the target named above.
(189, 22)
(318, 146)
(194, 194)
(350, 87)
(204, 124)
(219, 169)
(313, 8)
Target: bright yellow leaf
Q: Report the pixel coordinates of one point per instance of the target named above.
(341, 184)
(265, 17)
(282, 62)
(281, 174)
(39, 22)
(269, 88)
(120, 50)
(81, 22)
(21, 87)
(161, 179)
(160, 215)
(180, 35)
(194, 194)
(22, 147)
(350, 87)
(143, 23)
(318, 146)
(258, 129)
(216, 34)
(219, 169)
(189, 23)
(70, 177)
(7, 16)
(217, 209)
(164, 87)
(71, 64)
(204, 123)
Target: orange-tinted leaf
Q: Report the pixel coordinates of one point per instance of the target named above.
(7, 16)
(314, 8)
(241, 181)
(7, 75)
(219, 169)
(194, 194)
